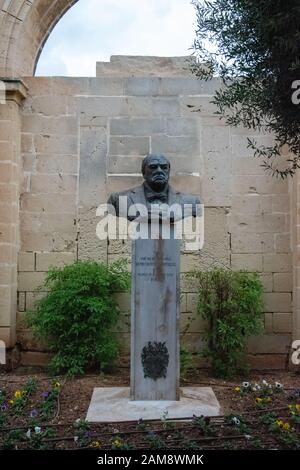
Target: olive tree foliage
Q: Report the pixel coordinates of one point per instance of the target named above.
(254, 47)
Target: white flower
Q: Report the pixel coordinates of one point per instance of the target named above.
(278, 385)
(236, 421)
(254, 389)
(75, 438)
(270, 386)
(257, 386)
(246, 384)
(248, 437)
(28, 434)
(37, 430)
(78, 420)
(265, 383)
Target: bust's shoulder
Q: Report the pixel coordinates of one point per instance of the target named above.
(126, 192)
(188, 198)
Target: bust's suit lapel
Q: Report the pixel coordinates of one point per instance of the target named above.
(137, 195)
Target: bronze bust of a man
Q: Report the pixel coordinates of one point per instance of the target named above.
(155, 189)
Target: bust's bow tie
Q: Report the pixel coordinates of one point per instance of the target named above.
(157, 197)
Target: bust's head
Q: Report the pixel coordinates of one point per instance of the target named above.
(156, 171)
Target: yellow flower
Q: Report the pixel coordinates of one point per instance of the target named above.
(258, 400)
(56, 385)
(286, 426)
(279, 423)
(290, 407)
(237, 389)
(297, 407)
(96, 445)
(11, 402)
(293, 413)
(117, 443)
(18, 394)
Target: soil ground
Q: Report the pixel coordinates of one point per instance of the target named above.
(54, 410)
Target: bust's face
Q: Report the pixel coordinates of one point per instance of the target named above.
(157, 173)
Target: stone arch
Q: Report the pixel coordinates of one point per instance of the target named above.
(25, 26)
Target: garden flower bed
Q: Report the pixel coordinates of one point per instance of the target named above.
(40, 412)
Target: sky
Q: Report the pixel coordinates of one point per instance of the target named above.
(93, 30)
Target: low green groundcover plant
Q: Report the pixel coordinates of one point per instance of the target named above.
(232, 304)
(78, 313)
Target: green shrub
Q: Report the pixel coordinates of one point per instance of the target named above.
(77, 314)
(232, 304)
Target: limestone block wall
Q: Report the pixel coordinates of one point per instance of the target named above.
(83, 138)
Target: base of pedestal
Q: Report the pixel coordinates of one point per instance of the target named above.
(113, 405)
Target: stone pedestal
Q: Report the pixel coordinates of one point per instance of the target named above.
(155, 319)
(110, 405)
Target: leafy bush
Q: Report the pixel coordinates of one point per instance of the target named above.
(77, 314)
(232, 304)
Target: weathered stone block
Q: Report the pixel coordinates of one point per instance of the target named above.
(192, 323)
(62, 164)
(281, 203)
(26, 261)
(123, 299)
(45, 260)
(188, 284)
(267, 361)
(249, 262)
(89, 245)
(6, 150)
(9, 213)
(56, 144)
(263, 223)
(268, 323)
(124, 164)
(5, 275)
(30, 281)
(42, 203)
(6, 254)
(242, 242)
(7, 173)
(32, 298)
(52, 105)
(282, 322)
(184, 145)
(129, 145)
(283, 282)
(197, 106)
(93, 151)
(282, 242)
(280, 263)
(192, 302)
(47, 184)
(246, 166)
(8, 335)
(248, 203)
(62, 125)
(137, 127)
(21, 301)
(142, 86)
(185, 86)
(267, 280)
(35, 358)
(5, 233)
(278, 302)
(269, 344)
(256, 184)
(165, 107)
(114, 86)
